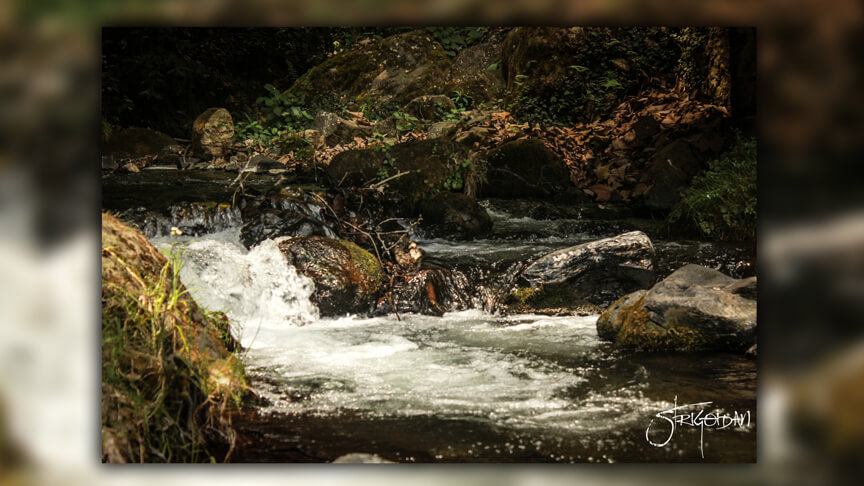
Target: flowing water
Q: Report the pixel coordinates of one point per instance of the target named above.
(466, 387)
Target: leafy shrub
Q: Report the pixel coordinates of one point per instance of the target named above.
(721, 202)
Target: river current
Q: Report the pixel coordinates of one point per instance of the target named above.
(470, 386)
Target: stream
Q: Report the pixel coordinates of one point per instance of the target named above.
(471, 386)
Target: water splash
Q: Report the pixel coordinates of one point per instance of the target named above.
(256, 289)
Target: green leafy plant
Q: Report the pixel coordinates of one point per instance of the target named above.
(721, 202)
(285, 109)
(463, 101)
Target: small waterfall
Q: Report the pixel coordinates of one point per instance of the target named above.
(254, 288)
(193, 219)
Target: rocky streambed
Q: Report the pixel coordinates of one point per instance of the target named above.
(494, 355)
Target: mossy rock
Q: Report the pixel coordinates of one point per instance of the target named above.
(348, 279)
(167, 370)
(695, 308)
(427, 164)
(556, 299)
(471, 76)
(393, 70)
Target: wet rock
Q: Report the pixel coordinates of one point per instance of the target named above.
(135, 142)
(361, 458)
(441, 129)
(288, 213)
(393, 70)
(596, 272)
(432, 291)
(348, 279)
(426, 164)
(694, 308)
(429, 107)
(524, 168)
(336, 130)
(212, 132)
(452, 215)
(470, 73)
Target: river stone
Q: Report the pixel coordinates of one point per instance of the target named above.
(212, 132)
(595, 272)
(694, 308)
(452, 215)
(348, 279)
(524, 168)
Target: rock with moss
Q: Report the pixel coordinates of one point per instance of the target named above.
(167, 372)
(348, 279)
(423, 167)
(391, 71)
(551, 299)
(476, 72)
(524, 168)
(135, 142)
(212, 133)
(694, 308)
(596, 272)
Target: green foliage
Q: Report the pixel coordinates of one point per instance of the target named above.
(454, 39)
(585, 81)
(462, 100)
(404, 122)
(284, 109)
(692, 65)
(721, 202)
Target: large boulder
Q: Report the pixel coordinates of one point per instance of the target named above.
(348, 279)
(212, 132)
(524, 168)
(471, 75)
(393, 70)
(596, 272)
(448, 214)
(134, 142)
(425, 166)
(694, 308)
